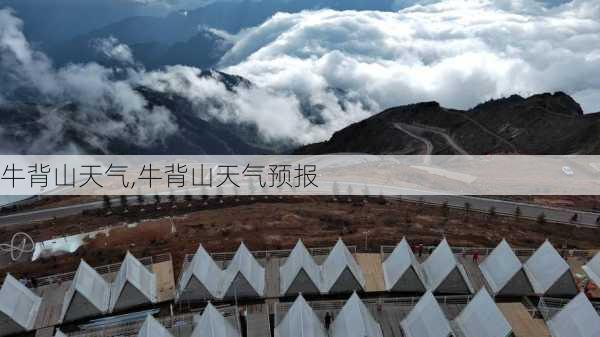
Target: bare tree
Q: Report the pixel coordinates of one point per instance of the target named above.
(467, 209)
(124, 201)
(106, 203)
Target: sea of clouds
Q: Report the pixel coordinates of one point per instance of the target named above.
(350, 64)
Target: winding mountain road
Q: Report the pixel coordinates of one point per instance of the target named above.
(428, 144)
(440, 132)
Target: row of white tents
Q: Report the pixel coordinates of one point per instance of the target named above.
(480, 318)
(203, 279)
(545, 273)
(89, 294)
(244, 277)
(339, 273)
(211, 323)
(441, 272)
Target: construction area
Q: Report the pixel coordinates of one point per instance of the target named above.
(306, 271)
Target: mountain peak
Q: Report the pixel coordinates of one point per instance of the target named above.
(558, 102)
(548, 123)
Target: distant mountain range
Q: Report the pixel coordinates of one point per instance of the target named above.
(177, 37)
(540, 124)
(195, 134)
(202, 48)
(160, 35)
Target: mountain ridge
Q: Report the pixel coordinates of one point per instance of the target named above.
(547, 123)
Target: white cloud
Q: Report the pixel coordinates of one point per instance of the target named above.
(106, 108)
(276, 113)
(112, 49)
(457, 52)
(317, 71)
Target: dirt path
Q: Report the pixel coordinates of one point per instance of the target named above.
(488, 131)
(427, 142)
(425, 128)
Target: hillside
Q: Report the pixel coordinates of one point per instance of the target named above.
(540, 124)
(196, 133)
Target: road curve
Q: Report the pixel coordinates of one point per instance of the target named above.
(427, 142)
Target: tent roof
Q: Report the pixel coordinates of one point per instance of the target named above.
(482, 318)
(576, 319)
(91, 286)
(203, 268)
(426, 319)
(152, 328)
(355, 320)
(134, 272)
(19, 303)
(300, 321)
(213, 324)
(244, 263)
(500, 266)
(545, 267)
(440, 264)
(337, 261)
(397, 263)
(299, 259)
(592, 269)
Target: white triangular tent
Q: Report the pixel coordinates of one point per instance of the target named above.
(88, 295)
(444, 274)
(355, 320)
(300, 321)
(426, 319)
(300, 273)
(549, 273)
(402, 272)
(213, 324)
(340, 272)
(482, 318)
(576, 319)
(134, 285)
(503, 272)
(152, 328)
(244, 277)
(592, 269)
(201, 280)
(19, 307)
